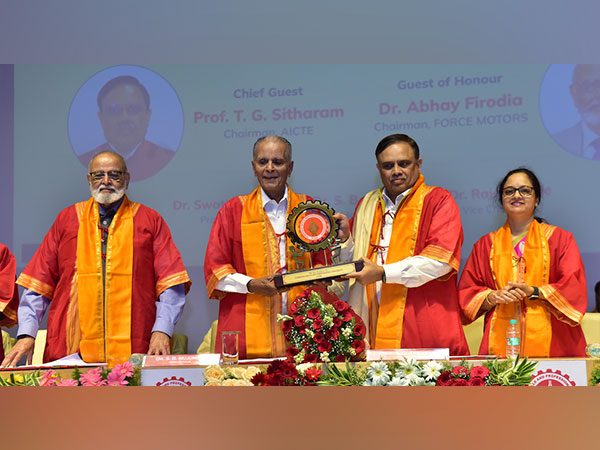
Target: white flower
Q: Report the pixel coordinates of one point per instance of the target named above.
(379, 373)
(415, 380)
(299, 357)
(432, 370)
(327, 321)
(302, 368)
(398, 381)
(310, 333)
(324, 356)
(346, 332)
(408, 367)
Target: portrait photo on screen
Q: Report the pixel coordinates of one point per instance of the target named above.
(131, 110)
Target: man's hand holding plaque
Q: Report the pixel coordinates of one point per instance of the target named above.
(312, 227)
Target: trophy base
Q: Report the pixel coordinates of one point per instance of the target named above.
(325, 273)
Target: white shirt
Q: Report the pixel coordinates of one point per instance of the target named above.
(277, 214)
(413, 271)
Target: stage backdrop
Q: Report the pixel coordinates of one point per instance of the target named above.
(473, 123)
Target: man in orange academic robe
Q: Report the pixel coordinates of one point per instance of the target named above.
(409, 235)
(248, 244)
(110, 274)
(9, 295)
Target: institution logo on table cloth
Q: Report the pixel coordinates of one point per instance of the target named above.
(174, 381)
(551, 377)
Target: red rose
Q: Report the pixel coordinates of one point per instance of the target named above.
(294, 308)
(313, 313)
(360, 330)
(340, 305)
(311, 358)
(298, 321)
(332, 334)
(286, 326)
(460, 382)
(317, 324)
(337, 322)
(460, 372)
(306, 346)
(480, 371)
(346, 316)
(291, 352)
(324, 346)
(358, 345)
(340, 358)
(445, 379)
(476, 381)
(319, 338)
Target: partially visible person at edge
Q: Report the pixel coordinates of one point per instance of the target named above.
(597, 296)
(529, 271)
(248, 245)
(409, 236)
(124, 113)
(9, 294)
(110, 274)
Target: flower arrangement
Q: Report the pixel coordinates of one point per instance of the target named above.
(229, 376)
(121, 375)
(408, 372)
(286, 373)
(321, 327)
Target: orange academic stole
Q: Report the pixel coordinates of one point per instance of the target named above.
(260, 246)
(105, 325)
(402, 245)
(532, 269)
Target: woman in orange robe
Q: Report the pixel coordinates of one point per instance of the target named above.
(529, 271)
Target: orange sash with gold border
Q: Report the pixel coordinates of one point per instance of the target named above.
(533, 269)
(402, 245)
(260, 246)
(104, 323)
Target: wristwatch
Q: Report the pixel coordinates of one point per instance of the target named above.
(536, 293)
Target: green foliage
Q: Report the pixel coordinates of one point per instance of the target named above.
(595, 375)
(29, 379)
(506, 373)
(351, 376)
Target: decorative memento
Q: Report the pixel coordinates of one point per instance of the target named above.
(311, 227)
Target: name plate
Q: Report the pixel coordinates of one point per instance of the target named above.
(395, 354)
(324, 273)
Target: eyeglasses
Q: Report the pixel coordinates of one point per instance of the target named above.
(113, 175)
(116, 109)
(525, 191)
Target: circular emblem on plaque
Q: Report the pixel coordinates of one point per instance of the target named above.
(311, 225)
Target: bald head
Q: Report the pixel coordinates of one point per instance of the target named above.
(109, 154)
(276, 139)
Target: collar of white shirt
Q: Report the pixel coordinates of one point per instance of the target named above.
(271, 205)
(389, 204)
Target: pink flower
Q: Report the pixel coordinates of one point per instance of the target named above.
(67, 382)
(125, 369)
(116, 378)
(49, 378)
(92, 378)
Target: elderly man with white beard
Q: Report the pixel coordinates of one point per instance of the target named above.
(109, 273)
